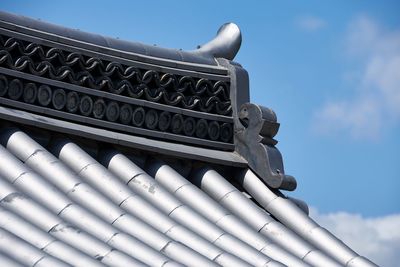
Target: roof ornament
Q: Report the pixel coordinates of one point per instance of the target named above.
(225, 44)
(256, 144)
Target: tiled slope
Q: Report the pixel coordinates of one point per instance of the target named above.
(64, 207)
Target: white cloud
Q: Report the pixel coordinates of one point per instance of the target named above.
(377, 239)
(310, 23)
(375, 101)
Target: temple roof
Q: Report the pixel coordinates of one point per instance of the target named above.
(116, 153)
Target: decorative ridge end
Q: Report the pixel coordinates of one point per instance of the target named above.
(225, 44)
(254, 142)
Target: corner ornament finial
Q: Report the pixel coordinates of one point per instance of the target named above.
(256, 144)
(225, 44)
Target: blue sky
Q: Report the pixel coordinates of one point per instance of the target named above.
(310, 62)
(330, 70)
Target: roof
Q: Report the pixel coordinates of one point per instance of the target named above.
(120, 154)
(135, 50)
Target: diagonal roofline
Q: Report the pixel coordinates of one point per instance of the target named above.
(225, 45)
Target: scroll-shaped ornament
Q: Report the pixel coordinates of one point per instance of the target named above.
(254, 141)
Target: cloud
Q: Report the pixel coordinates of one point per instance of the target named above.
(377, 239)
(310, 23)
(374, 102)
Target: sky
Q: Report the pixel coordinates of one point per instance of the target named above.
(331, 72)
